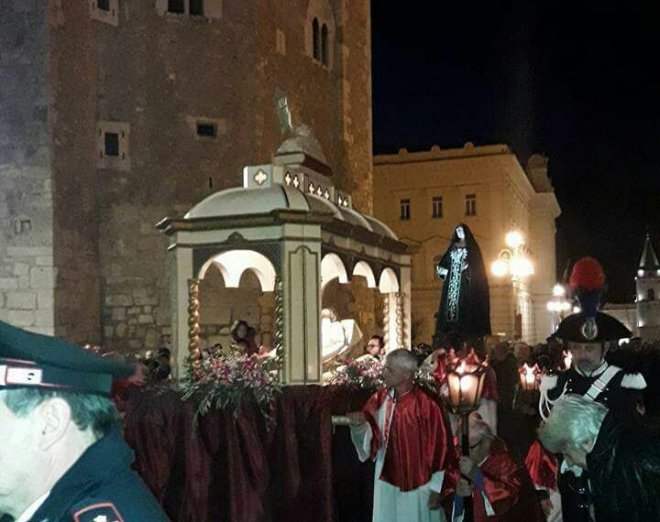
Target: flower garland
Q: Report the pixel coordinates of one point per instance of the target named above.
(362, 373)
(229, 379)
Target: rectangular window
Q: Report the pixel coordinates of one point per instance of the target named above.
(207, 129)
(436, 212)
(103, 5)
(197, 7)
(176, 6)
(111, 144)
(405, 209)
(471, 205)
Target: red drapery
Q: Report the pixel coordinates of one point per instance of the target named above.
(234, 469)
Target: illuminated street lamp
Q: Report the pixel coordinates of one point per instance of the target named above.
(514, 260)
(465, 382)
(559, 305)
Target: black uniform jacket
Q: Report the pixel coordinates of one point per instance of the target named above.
(101, 486)
(624, 471)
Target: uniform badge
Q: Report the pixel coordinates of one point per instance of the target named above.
(589, 329)
(104, 512)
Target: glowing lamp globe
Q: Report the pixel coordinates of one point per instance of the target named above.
(558, 290)
(514, 239)
(465, 382)
(499, 268)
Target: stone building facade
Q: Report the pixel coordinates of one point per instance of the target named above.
(422, 196)
(117, 113)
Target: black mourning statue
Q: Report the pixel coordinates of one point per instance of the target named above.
(464, 311)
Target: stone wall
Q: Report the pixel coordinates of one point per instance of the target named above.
(27, 273)
(73, 91)
(183, 69)
(80, 256)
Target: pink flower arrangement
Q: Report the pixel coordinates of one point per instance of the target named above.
(359, 373)
(227, 380)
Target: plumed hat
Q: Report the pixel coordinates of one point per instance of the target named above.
(587, 283)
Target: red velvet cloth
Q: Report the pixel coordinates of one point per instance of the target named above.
(542, 466)
(420, 441)
(508, 488)
(235, 468)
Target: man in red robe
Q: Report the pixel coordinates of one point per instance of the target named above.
(406, 432)
(501, 489)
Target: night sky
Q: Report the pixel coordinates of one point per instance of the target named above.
(576, 81)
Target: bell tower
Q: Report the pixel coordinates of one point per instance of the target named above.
(648, 293)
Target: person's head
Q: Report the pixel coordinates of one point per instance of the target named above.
(587, 357)
(42, 433)
(329, 314)
(54, 404)
(240, 329)
(376, 346)
(522, 352)
(572, 428)
(400, 368)
(501, 351)
(164, 354)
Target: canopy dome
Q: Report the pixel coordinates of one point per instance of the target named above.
(241, 201)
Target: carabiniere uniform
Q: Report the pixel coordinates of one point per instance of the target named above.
(608, 384)
(100, 486)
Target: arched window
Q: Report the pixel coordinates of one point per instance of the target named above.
(650, 294)
(320, 32)
(324, 44)
(316, 40)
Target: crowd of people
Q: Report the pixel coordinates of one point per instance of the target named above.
(581, 446)
(523, 466)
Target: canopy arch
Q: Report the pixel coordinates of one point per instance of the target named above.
(233, 263)
(388, 282)
(363, 269)
(332, 267)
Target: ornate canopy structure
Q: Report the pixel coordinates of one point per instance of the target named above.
(296, 232)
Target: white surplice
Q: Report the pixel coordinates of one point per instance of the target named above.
(390, 503)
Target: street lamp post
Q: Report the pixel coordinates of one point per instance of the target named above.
(559, 305)
(514, 262)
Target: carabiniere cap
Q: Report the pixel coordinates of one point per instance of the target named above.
(29, 360)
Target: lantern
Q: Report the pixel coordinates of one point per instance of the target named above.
(465, 382)
(529, 377)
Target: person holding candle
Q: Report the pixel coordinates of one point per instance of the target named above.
(501, 488)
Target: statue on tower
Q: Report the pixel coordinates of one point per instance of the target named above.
(464, 310)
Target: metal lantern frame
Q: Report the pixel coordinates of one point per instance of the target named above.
(530, 377)
(465, 382)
